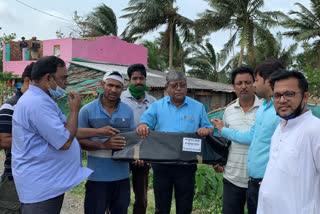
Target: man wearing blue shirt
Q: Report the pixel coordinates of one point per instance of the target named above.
(108, 187)
(259, 136)
(46, 156)
(174, 113)
(9, 200)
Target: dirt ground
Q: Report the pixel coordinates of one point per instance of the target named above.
(71, 204)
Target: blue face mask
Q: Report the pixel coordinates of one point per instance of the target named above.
(59, 92)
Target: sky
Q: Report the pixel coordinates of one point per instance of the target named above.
(24, 21)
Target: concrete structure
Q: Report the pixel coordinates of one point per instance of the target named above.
(105, 49)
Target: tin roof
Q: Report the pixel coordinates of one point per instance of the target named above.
(86, 76)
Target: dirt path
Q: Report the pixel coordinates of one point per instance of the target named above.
(71, 204)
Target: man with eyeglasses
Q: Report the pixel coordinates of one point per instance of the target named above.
(292, 180)
(240, 115)
(175, 113)
(259, 136)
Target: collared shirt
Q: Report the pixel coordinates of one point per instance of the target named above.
(259, 138)
(138, 108)
(41, 171)
(164, 116)
(292, 180)
(234, 117)
(93, 115)
(6, 112)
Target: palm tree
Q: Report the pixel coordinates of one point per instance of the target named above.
(274, 48)
(243, 18)
(305, 25)
(157, 54)
(155, 60)
(205, 62)
(148, 15)
(102, 21)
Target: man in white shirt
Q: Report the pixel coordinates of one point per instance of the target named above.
(241, 116)
(292, 179)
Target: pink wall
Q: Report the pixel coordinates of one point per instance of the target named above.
(110, 49)
(17, 67)
(65, 48)
(104, 49)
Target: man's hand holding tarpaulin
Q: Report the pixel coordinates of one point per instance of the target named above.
(169, 147)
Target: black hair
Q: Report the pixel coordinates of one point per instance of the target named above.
(267, 67)
(241, 70)
(285, 74)
(27, 72)
(116, 73)
(136, 67)
(45, 65)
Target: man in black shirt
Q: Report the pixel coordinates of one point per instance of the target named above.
(23, 44)
(9, 201)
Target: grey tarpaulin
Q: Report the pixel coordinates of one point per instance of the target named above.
(169, 147)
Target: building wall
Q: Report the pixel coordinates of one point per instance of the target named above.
(65, 48)
(17, 67)
(16, 63)
(109, 49)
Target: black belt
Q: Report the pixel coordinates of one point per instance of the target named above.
(255, 180)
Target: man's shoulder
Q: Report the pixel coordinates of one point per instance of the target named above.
(13, 100)
(125, 107)
(193, 101)
(150, 98)
(91, 104)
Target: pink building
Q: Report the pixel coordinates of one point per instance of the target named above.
(102, 49)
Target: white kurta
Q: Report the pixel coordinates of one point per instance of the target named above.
(291, 184)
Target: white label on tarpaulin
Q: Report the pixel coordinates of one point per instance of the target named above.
(191, 144)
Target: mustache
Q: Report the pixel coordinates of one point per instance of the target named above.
(244, 90)
(139, 85)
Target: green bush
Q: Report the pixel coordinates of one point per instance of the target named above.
(208, 190)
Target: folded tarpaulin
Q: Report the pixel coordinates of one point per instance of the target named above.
(172, 147)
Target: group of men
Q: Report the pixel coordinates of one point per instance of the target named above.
(272, 142)
(269, 149)
(35, 45)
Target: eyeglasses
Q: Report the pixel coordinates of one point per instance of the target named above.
(247, 83)
(288, 95)
(176, 85)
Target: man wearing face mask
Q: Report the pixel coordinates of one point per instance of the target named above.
(292, 180)
(46, 160)
(139, 100)
(9, 201)
(259, 136)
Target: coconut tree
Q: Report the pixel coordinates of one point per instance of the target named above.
(155, 60)
(148, 15)
(305, 25)
(205, 63)
(102, 21)
(243, 18)
(274, 48)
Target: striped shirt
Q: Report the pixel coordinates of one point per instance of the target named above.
(234, 117)
(6, 112)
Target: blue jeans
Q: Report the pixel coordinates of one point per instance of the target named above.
(181, 178)
(111, 195)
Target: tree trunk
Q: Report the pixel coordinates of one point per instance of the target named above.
(318, 52)
(170, 45)
(241, 56)
(171, 22)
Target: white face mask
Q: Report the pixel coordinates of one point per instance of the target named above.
(59, 92)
